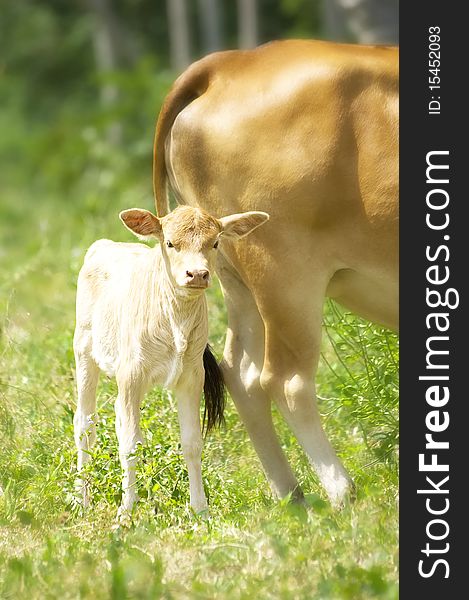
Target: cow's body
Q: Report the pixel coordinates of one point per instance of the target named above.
(307, 131)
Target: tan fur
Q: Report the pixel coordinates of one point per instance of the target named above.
(308, 132)
(185, 227)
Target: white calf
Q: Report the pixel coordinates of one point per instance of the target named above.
(142, 317)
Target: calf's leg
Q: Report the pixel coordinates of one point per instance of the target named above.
(129, 435)
(188, 393)
(84, 421)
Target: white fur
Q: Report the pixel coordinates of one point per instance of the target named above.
(133, 324)
(140, 319)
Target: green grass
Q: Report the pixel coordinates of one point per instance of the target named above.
(252, 546)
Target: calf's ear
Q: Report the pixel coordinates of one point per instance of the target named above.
(140, 222)
(241, 224)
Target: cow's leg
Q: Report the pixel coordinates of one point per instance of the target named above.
(127, 408)
(84, 421)
(188, 394)
(242, 365)
(293, 337)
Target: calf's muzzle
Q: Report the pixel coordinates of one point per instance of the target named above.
(198, 278)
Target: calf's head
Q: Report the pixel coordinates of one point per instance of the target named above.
(189, 239)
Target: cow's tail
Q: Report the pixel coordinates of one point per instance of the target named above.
(214, 392)
(189, 86)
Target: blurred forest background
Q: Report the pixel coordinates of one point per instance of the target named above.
(81, 81)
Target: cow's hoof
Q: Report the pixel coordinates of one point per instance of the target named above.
(298, 497)
(295, 497)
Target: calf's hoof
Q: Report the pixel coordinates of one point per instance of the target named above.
(200, 509)
(203, 513)
(345, 497)
(82, 494)
(124, 517)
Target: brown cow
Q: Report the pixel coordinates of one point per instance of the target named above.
(308, 132)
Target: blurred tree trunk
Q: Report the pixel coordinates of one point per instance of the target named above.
(210, 24)
(179, 39)
(363, 21)
(247, 23)
(113, 47)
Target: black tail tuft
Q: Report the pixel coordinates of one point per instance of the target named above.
(214, 392)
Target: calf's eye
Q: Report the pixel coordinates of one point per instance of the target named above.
(168, 243)
(215, 245)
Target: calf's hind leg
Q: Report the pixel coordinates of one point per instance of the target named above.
(84, 421)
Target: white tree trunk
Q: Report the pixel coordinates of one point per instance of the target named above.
(112, 46)
(209, 17)
(247, 23)
(179, 39)
(363, 21)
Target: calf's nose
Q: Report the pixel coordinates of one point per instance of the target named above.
(198, 277)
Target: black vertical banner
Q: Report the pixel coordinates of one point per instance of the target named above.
(434, 327)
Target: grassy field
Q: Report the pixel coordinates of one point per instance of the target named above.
(252, 546)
